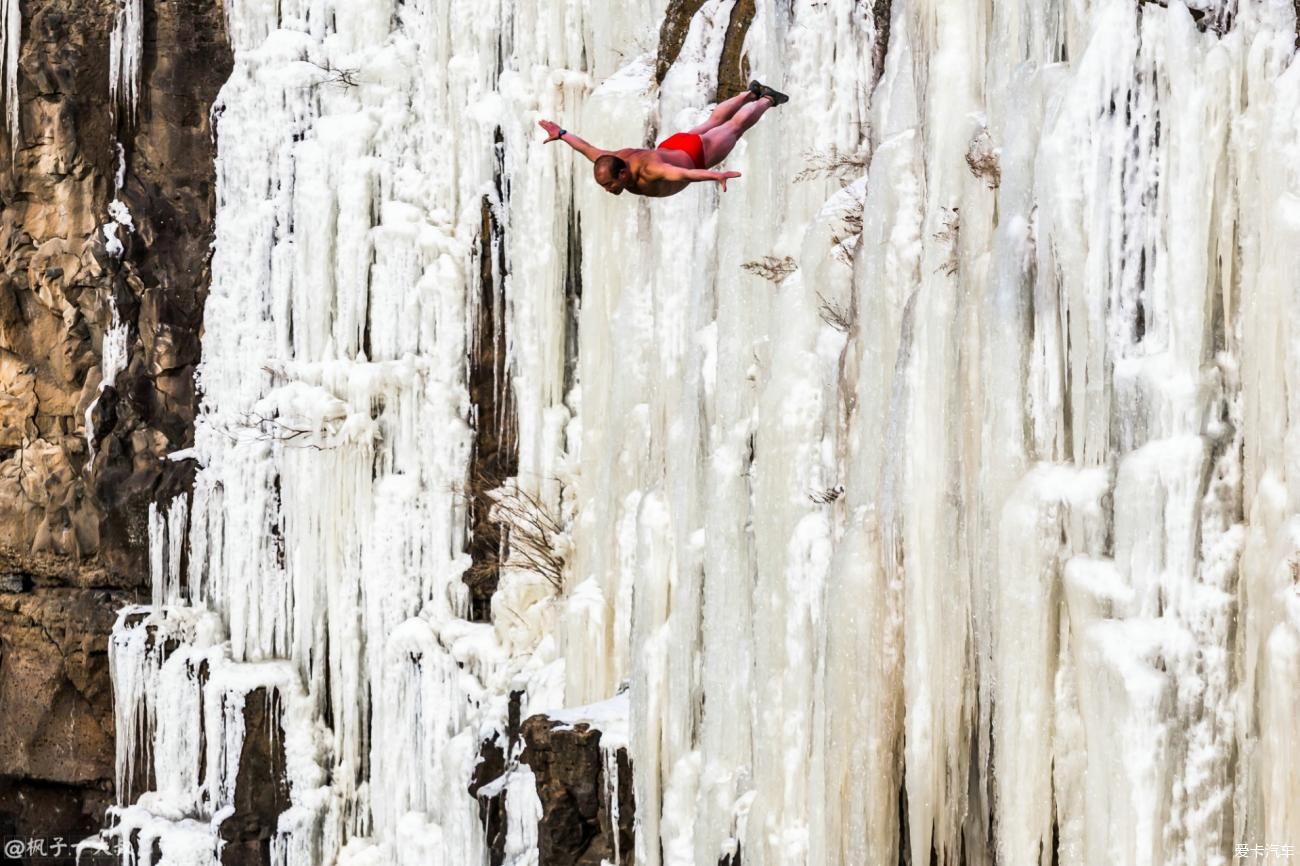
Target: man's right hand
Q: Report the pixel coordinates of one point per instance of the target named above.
(723, 176)
(552, 130)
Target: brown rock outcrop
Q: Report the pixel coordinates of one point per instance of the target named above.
(672, 33)
(491, 806)
(58, 283)
(56, 730)
(733, 67)
(577, 826)
(261, 786)
(70, 521)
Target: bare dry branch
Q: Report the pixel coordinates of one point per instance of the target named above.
(827, 496)
(771, 267)
(838, 317)
(832, 163)
(530, 532)
(337, 77)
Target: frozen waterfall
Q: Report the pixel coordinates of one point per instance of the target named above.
(930, 491)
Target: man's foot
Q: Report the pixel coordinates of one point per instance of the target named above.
(760, 90)
(775, 95)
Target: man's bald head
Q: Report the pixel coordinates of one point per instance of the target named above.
(612, 173)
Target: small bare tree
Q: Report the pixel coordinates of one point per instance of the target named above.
(531, 533)
(838, 317)
(271, 429)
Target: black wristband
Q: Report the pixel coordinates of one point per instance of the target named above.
(563, 132)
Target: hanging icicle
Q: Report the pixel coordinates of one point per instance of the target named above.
(126, 46)
(11, 41)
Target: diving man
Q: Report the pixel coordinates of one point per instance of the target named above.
(680, 159)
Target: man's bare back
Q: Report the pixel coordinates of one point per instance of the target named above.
(680, 160)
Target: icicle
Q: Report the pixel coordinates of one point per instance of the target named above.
(142, 647)
(126, 45)
(167, 533)
(524, 812)
(11, 35)
(112, 361)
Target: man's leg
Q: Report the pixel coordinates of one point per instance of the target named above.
(719, 141)
(723, 112)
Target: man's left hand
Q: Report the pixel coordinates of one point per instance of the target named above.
(552, 130)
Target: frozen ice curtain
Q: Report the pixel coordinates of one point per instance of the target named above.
(931, 490)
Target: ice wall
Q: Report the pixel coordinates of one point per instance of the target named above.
(931, 489)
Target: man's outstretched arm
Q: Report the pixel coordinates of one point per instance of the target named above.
(693, 175)
(554, 131)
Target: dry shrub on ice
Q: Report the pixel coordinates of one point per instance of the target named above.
(983, 159)
(771, 267)
(532, 536)
(951, 235)
(833, 162)
(837, 316)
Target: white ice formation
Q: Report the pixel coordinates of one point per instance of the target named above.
(126, 47)
(113, 359)
(980, 513)
(11, 29)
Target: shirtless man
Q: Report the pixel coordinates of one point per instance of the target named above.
(680, 159)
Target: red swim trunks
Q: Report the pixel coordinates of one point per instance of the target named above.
(688, 143)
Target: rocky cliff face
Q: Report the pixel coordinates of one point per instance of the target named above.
(73, 506)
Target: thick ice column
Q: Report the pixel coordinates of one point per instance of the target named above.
(945, 41)
(150, 664)
(1002, 156)
(795, 339)
(613, 367)
(1125, 698)
(1264, 142)
(1054, 513)
(1083, 149)
(1279, 703)
(422, 736)
(864, 643)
